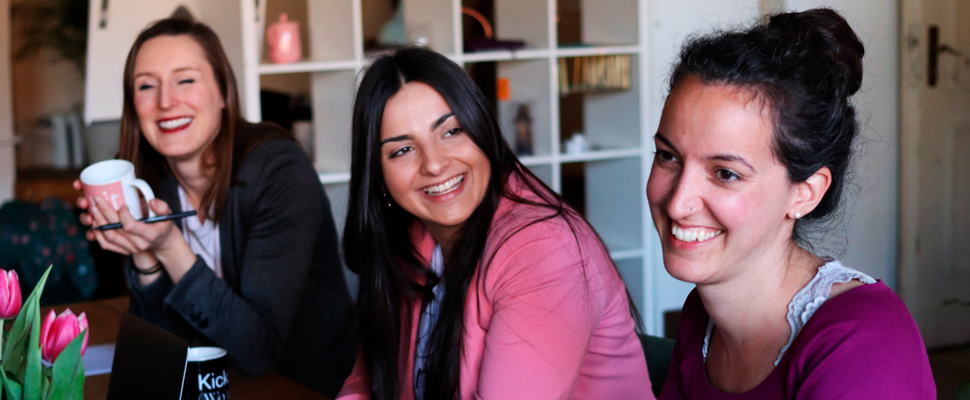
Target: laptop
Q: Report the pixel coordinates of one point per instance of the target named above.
(149, 363)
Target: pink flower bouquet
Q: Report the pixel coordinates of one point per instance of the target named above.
(41, 360)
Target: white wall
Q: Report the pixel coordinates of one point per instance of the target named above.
(872, 222)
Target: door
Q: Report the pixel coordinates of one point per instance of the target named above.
(935, 168)
(8, 168)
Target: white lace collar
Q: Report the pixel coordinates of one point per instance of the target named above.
(807, 300)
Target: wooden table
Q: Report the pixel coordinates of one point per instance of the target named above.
(104, 317)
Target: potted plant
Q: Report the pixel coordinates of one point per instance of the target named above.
(59, 25)
(40, 359)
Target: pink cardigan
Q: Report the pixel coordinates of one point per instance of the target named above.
(550, 319)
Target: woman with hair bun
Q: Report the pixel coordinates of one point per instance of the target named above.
(753, 147)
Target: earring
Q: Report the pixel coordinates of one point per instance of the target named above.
(798, 215)
(387, 199)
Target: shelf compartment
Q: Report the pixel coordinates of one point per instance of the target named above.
(523, 104)
(335, 31)
(608, 193)
(522, 20)
(328, 29)
(333, 94)
(285, 100)
(608, 120)
(597, 22)
(433, 22)
(528, 96)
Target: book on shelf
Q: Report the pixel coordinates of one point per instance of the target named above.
(587, 74)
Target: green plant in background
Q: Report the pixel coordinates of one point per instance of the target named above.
(59, 25)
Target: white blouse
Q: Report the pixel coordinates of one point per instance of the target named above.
(202, 237)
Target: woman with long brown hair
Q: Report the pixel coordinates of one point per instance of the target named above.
(257, 272)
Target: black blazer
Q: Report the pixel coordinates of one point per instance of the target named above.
(283, 303)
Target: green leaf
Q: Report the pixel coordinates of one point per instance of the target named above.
(964, 392)
(68, 381)
(11, 386)
(33, 385)
(45, 386)
(21, 354)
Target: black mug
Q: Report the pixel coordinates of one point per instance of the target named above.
(206, 375)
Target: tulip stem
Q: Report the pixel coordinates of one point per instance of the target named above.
(1, 339)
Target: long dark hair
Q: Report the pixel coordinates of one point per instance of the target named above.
(806, 65)
(377, 243)
(226, 152)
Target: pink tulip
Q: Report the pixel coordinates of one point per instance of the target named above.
(57, 333)
(10, 300)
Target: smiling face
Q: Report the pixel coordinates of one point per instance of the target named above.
(432, 168)
(718, 195)
(176, 97)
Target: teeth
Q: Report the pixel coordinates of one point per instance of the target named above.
(694, 234)
(175, 123)
(446, 187)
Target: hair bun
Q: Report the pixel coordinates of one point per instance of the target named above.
(821, 47)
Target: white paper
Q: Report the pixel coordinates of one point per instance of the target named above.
(98, 358)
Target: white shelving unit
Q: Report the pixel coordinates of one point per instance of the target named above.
(608, 181)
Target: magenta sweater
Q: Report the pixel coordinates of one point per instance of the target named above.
(862, 344)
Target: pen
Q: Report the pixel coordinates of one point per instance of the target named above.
(148, 220)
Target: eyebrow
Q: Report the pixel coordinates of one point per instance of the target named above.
(180, 69)
(659, 136)
(434, 126)
(732, 157)
(441, 120)
(717, 157)
(395, 139)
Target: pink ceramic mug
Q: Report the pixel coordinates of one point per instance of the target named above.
(283, 38)
(114, 180)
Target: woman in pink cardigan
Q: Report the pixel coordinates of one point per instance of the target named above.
(476, 280)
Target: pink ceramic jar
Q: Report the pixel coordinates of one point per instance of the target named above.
(283, 38)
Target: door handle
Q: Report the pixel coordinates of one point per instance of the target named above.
(935, 49)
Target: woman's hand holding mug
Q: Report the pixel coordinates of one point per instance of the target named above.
(106, 201)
